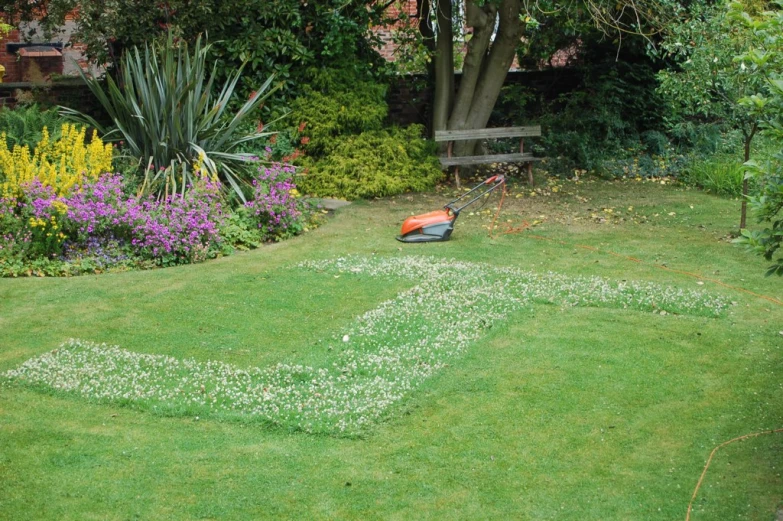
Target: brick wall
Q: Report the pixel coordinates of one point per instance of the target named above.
(70, 92)
(40, 68)
(386, 34)
(13, 70)
(388, 47)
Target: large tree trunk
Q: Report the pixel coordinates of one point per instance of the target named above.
(497, 63)
(444, 66)
(482, 20)
(423, 8)
(485, 68)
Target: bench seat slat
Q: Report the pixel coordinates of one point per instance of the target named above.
(484, 160)
(487, 133)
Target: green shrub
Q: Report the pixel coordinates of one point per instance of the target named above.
(337, 103)
(348, 153)
(281, 146)
(702, 138)
(238, 231)
(516, 105)
(606, 109)
(374, 163)
(655, 143)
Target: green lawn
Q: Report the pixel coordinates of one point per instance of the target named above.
(556, 412)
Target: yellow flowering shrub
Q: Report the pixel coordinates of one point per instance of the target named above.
(60, 164)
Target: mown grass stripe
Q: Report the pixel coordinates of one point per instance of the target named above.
(384, 355)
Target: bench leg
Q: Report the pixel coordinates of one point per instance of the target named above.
(456, 176)
(530, 173)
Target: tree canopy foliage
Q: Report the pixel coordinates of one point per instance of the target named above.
(764, 56)
(704, 82)
(272, 37)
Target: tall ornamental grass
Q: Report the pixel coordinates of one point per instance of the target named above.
(720, 174)
(166, 107)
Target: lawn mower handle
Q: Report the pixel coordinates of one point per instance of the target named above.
(495, 181)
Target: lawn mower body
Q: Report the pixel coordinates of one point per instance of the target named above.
(429, 227)
(438, 225)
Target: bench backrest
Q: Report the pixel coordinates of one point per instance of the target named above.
(487, 133)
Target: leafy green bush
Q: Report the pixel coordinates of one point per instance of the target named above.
(23, 125)
(516, 105)
(280, 38)
(605, 116)
(337, 103)
(238, 231)
(374, 163)
(281, 146)
(702, 83)
(768, 203)
(610, 109)
(607, 108)
(655, 143)
(348, 153)
(702, 138)
(764, 53)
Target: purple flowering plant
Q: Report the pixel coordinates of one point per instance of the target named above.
(180, 228)
(102, 225)
(275, 208)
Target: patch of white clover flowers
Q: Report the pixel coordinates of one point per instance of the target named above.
(385, 354)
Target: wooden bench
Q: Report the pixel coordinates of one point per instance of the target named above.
(451, 136)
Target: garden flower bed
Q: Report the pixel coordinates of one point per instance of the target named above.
(101, 224)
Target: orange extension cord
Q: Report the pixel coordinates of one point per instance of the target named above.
(526, 226)
(709, 460)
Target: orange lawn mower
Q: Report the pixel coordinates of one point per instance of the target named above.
(438, 225)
